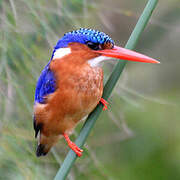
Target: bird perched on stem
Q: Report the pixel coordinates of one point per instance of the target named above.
(71, 85)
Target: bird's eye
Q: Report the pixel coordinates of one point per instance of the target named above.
(94, 46)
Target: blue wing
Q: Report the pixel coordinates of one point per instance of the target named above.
(46, 85)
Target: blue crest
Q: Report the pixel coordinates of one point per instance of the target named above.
(82, 36)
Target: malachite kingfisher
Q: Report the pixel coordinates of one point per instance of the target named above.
(71, 84)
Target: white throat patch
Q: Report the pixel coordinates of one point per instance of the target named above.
(96, 62)
(61, 52)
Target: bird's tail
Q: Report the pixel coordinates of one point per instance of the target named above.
(45, 143)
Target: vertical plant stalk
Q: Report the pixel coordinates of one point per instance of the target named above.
(88, 125)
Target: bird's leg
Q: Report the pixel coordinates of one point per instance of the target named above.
(105, 103)
(73, 146)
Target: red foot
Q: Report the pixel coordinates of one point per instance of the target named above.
(105, 103)
(73, 146)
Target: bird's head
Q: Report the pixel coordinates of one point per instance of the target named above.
(98, 45)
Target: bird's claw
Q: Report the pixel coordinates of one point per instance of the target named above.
(73, 146)
(105, 103)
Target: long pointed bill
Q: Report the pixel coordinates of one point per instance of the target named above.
(126, 54)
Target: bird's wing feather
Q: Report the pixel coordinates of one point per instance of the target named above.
(46, 85)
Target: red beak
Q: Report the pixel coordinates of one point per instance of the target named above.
(126, 54)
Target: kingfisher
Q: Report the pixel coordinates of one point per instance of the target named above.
(71, 85)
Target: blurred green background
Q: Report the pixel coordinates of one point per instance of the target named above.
(138, 138)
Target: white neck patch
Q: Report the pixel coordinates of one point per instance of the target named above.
(97, 62)
(61, 52)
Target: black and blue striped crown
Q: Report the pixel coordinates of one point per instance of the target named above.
(84, 35)
(91, 35)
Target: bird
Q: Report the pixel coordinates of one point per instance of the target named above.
(71, 85)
